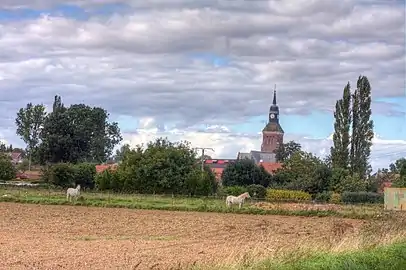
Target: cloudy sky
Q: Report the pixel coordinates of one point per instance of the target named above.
(204, 70)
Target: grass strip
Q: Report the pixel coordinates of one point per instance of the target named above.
(158, 204)
(392, 257)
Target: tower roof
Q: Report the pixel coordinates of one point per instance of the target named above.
(274, 97)
(273, 127)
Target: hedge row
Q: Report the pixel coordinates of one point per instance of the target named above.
(287, 195)
(350, 197)
(258, 191)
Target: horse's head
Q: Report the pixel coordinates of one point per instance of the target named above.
(247, 195)
(78, 187)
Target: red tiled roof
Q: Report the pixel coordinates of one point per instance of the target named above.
(103, 167)
(271, 167)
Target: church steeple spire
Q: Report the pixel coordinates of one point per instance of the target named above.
(274, 96)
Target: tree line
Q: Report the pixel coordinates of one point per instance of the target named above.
(74, 134)
(70, 140)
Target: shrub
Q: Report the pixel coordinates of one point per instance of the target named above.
(233, 190)
(7, 171)
(362, 197)
(335, 198)
(61, 174)
(85, 174)
(108, 180)
(287, 195)
(257, 191)
(324, 196)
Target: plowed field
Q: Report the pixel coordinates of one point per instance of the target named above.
(68, 237)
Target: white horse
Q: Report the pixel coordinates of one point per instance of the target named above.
(237, 200)
(72, 192)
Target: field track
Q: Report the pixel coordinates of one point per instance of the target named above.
(67, 237)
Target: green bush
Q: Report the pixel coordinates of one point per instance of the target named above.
(287, 195)
(109, 180)
(233, 190)
(335, 198)
(85, 174)
(324, 196)
(361, 197)
(7, 171)
(60, 174)
(257, 191)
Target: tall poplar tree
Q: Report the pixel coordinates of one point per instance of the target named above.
(362, 128)
(30, 121)
(341, 139)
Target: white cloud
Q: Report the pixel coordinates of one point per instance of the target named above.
(228, 144)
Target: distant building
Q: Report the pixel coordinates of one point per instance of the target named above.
(16, 157)
(102, 167)
(218, 165)
(272, 138)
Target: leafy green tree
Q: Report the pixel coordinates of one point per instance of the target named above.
(7, 171)
(341, 139)
(399, 165)
(286, 150)
(352, 183)
(362, 128)
(78, 134)
(120, 153)
(243, 173)
(306, 172)
(61, 174)
(23, 166)
(337, 177)
(30, 121)
(85, 174)
(400, 168)
(164, 167)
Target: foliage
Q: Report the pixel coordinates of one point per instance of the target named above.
(399, 167)
(23, 166)
(324, 196)
(30, 121)
(362, 128)
(160, 167)
(109, 180)
(377, 258)
(361, 197)
(304, 171)
(7, 171)
(352, 183)
(335, 198)
(337, 177)
(233, 190)
(399, 182)
(85, 174)
(341, 138)
(77, 134)
(257, 191)
(286, 150)
(201, 183)
(120, 153)
(61, 174)
(287, 195)
(243, 173)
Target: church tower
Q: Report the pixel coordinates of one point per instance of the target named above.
(272, 134)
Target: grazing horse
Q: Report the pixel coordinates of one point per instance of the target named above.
(72, 192)
(237, 200)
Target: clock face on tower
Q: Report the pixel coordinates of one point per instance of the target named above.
(272, 115)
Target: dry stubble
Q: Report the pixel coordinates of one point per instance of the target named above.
(66, 237)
